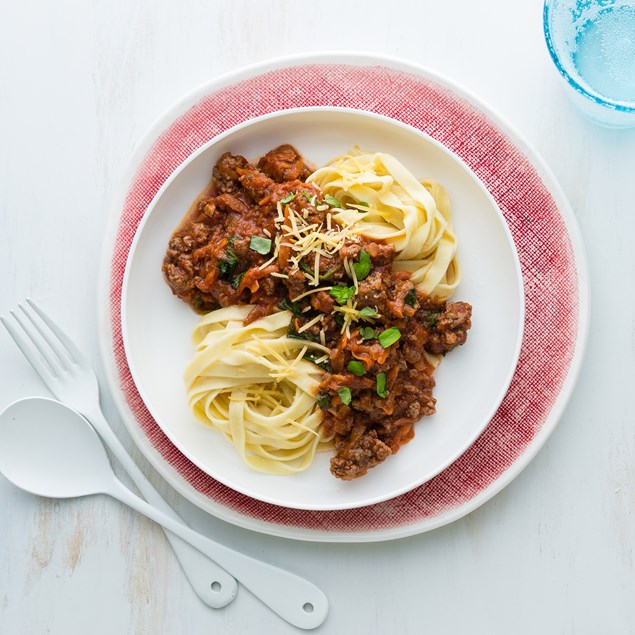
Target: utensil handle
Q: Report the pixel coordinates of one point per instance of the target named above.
(212, 584)
(293, 598)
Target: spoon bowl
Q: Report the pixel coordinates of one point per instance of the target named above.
(49, 449)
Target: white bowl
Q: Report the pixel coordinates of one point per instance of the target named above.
(471, 381)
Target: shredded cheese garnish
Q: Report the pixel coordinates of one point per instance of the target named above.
(309, 241)
(309, 292)
(311, 322)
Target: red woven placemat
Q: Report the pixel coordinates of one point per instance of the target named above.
(540, 234)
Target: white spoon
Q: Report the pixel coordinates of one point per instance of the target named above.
(50, 450)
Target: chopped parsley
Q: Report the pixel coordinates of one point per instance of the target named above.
(363, 267)
(389, 336)
(345, 395)
(227, 265)
(341, 293)
(235, 283)
(329, 273)
(411, 297)
(331, 201)
(356, 367)
(323, 400)
(305, 335)
(288, 198)
(287, 305)
(367, 333)
(306, 268)
(322, 276)
(260, 245)
(368, 313)
(380, 385)
(313, 356)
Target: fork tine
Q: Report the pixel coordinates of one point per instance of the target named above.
(69, 346)
(47, 340)
(24, 342)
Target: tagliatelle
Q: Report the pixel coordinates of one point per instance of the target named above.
(253, 384)
(383, 200)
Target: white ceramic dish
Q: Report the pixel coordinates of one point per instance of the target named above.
(471, 381)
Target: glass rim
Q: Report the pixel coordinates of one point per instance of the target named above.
(620, 106)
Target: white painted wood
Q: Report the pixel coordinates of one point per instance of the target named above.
(80, 81)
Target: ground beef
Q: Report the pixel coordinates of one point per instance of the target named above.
(386, 291)
(284, 164)
(355, 456)
(449, 327)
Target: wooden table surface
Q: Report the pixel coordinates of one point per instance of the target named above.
(80, 82)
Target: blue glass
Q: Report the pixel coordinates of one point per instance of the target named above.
(592, 43)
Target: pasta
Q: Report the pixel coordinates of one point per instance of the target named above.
(383, 200)
(252, 384)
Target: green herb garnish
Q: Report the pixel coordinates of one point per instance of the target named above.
(227, 265)
(341, 293)
(367, 333)
(323, 400)
(329, 273)
(380, 385)
(356, 367)
(369, 313)
(288, 198)
(331, 201)
(260, 244)
(345, 395)
(287, 305)
(306, 268)
(411, 297)
(363, 266)
(305, 335)
(389, 336)
(235, 283)
(432, 319)
(321, 276)
(313, 356)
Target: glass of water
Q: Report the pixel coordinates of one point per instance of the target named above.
(592, 43)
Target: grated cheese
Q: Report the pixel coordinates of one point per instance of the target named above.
(311, 322)
(308, 240)
(309, 292)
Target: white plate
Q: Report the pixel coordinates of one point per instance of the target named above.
(471, 381)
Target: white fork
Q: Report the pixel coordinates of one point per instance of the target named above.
(70, 377)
